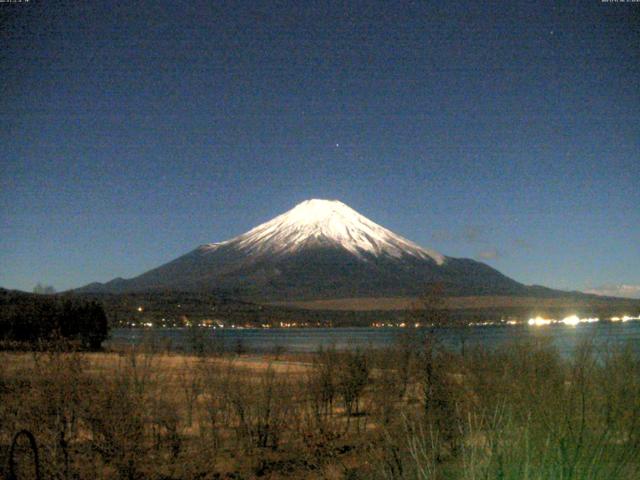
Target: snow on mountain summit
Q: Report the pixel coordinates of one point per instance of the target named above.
(325, 222)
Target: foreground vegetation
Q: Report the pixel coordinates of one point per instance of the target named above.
(30, 321)
(410, 411)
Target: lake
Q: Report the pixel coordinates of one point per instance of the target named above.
(564, 337)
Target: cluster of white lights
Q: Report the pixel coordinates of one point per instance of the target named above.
(539, 321)
(574, 320)
(625, 318)
(571, 320)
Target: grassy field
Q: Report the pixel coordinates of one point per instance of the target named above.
(413, 410)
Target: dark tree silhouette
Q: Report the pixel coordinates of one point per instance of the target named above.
(32, 319)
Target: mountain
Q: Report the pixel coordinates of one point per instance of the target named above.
(319, 249)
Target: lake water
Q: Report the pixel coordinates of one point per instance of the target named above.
(564, 337)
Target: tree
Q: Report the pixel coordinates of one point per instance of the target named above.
(437, 389)
(429, 310)
(32, 319)
(93, 326)
(353, 378)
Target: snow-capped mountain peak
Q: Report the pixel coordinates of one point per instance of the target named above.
(318, 250)
(325, 222)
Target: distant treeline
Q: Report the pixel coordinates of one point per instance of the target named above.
(36, 319)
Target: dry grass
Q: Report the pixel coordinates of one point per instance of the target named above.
(410, 411)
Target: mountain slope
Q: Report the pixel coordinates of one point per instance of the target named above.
(319, 249)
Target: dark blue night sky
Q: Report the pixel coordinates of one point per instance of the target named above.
(134, 131)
